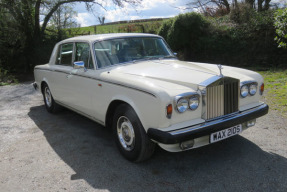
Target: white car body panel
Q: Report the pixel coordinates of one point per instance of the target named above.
(147, 86)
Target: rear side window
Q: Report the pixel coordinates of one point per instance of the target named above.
(65, 54)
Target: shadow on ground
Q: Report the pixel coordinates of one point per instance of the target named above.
(235, 164)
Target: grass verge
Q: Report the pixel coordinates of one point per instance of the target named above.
(276, 90)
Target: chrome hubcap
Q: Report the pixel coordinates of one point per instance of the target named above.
(48, 97)
(126, 133)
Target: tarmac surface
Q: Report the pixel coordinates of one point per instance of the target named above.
(67, 152)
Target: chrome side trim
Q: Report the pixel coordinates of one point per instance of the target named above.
(110, 82)
(222, 119)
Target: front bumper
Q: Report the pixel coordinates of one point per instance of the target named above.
(203, 129)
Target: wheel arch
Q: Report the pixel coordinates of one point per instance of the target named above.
(111, 111)
(43, 82)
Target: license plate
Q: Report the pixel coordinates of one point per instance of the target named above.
(223, 134)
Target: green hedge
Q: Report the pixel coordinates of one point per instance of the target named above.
(243, 41)
(183, 33)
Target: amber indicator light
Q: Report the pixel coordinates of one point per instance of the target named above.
(261, 88)
(169, 111)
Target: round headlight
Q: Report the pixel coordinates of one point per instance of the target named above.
(244, 91)
(193, 103)
(252, 89)
(182, 105)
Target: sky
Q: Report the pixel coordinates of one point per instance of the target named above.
(147, 9)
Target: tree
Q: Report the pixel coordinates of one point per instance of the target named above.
(210, 7)
(26, 15)
(260, 5)
(281, 27)
(222, 7)
(10, 43)
(101, 20)
(63, 18)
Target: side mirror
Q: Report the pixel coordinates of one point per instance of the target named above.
(175, 54)
(79, 65)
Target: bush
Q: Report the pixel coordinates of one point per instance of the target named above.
(6, 78)
(183, 32)
(165, 27)
(281, 27)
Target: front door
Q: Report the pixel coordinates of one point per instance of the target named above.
(82, 82)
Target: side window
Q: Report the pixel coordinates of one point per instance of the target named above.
(65, 54)
(83, 53)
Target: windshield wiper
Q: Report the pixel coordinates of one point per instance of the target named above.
(154, 58)
(167, 56)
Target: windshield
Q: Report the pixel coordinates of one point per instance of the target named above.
(116, 51)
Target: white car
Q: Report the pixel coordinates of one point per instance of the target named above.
(134, 84)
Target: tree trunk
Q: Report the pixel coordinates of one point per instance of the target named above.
(250, 2)
(260, 2)
(266, 5)
(37, 18)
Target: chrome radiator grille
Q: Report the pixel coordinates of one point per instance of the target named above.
(221, 98)
(215, 101)
(231, 94)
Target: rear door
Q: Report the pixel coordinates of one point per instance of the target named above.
(61, 71)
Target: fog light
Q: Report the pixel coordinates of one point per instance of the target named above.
(186, 144)
(251, 123)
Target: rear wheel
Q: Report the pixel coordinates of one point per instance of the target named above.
(49, 101)
(130, 136)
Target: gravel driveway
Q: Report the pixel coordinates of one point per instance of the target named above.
(67, 152)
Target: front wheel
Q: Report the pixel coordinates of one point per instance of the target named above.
(130, 136)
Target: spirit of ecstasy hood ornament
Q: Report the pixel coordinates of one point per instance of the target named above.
(220, 68)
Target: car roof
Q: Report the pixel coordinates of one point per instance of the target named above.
(92, 38)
